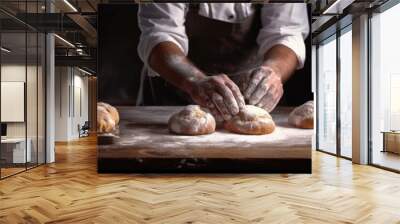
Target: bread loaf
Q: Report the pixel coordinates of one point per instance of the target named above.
(303, 116)
(251, 120)
(192, 120)
(107, 118)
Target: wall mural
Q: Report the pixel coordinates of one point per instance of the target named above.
(222, 92)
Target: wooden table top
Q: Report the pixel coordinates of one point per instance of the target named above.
(144, 134)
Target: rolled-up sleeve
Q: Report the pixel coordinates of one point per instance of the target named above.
(160, 22)
(286, 24)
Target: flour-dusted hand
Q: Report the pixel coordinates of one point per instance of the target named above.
(219, 94)
(262, 87)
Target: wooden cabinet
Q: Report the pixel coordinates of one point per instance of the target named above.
(391, 141)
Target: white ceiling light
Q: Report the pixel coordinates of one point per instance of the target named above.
(70, 5)
(84, 71)
(5, 50)
(65, 41)
(79, 51)
(337, 7)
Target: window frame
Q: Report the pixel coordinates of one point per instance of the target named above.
(378, 10)
(28, 29)
(342, 26)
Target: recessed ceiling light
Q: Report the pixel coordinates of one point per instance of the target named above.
(337, 7)
(5, 50)
(84, 71)
(70, 5)
(64, 40)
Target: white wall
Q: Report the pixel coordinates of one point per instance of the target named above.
(16, 73)
(33, 126)
(10, 73)
(80, 111)
(62, 81)
(71, 93)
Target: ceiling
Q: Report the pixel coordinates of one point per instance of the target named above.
(80, 15)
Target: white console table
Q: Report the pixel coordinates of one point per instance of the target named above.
(16, 148)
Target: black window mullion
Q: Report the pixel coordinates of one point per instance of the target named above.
(317, 99)
(37, 90)
(26, 87)
(338, 91)
(369, 100)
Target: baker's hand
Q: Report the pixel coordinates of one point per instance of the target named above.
(219, 94)
(262, 87)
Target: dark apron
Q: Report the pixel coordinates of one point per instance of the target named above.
(215, 47)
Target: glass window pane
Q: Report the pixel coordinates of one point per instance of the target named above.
(32, 85)
(22, 63)
(13, 86)
(32, 98)
(326, 96)
(385, 87)
(346, 94)
(41, 98)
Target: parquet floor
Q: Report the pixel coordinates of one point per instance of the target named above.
(70, 191)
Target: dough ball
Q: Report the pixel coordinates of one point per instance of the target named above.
(251, 120)
(111, 110)
(192, 120)
(105, 122)
(303, 116)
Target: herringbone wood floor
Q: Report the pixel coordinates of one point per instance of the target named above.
(71, 191)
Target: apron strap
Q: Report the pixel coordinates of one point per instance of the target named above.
(145, 82)
(139, 98)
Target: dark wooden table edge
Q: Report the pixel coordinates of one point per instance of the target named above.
(210, 165)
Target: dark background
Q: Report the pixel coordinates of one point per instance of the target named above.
(119, 65)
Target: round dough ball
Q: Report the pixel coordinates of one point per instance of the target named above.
(111, 110)
(303, 116)
(105, 122)
(192, 120)
(251, 120)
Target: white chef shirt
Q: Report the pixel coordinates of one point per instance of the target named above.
(282, 23)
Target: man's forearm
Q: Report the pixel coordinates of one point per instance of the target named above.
(168, 60)
(282, 59)
(218, 93)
